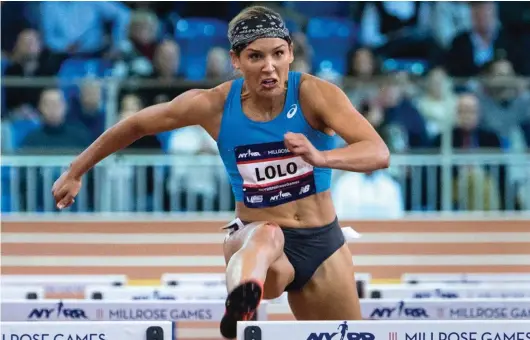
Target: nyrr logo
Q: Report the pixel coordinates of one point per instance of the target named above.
(67, 313)
(281, 195)
(249, 153)
(342, 334)
(400, 310)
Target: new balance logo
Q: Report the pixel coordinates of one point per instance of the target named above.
(305, 189)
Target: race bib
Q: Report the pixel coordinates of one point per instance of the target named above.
(272, 175)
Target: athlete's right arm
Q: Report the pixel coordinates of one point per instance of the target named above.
(190, 108)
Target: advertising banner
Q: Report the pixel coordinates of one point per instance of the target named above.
(93, 310)
(431, 309)
(443, 309)
(156, 293)
(447, 291)
(22, 292)
(391, 330)
(87, 331)
(63, 286)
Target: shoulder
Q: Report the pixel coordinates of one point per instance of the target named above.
(202, 103)
(318, 93)
(212, 98)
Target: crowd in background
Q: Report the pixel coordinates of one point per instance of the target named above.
(415, 70)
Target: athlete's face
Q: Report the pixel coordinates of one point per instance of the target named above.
(265, 65)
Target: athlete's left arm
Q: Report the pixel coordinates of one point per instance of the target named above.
(366, 150)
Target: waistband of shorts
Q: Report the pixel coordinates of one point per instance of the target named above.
(237, 224)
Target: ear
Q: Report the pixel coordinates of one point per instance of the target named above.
(235, 60)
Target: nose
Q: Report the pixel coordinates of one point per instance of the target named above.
(268, 66)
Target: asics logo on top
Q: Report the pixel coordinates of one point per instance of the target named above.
(292, 111)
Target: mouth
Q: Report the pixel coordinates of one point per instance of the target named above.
(269, 83)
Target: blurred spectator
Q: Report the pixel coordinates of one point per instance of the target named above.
(301, 47)
(467, 134)
(139, 50)
(80, 28)
(131, 104)
(166, 64)
(88, 109)
(504, 107)
(224, 10)
(166, 61)
(363, 66)
(54, 132)
(399, 29)
(143, 33)
(447, 19)
(367, 195)
(138, 182)
(526, 131)
(201, 183)
(301, 65)
(27, 60)
(401, 118)
(218, 64)
(484, 42)
(16, 16)
(438, 103)
(474, 187)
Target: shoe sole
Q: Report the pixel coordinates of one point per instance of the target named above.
(241, 304)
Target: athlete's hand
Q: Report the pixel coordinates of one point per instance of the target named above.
(65, 189)
(299, 145)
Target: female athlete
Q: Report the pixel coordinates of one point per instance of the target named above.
(274, 130)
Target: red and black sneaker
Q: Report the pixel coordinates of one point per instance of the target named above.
(241, 304)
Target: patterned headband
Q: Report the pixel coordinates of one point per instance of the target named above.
(256, 27)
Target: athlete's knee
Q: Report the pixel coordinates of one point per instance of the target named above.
(269, 235)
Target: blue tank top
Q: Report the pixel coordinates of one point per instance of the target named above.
(262, 171)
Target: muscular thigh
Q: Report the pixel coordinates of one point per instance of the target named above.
(331, 294)
(280, 273)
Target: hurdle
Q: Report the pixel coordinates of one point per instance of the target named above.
(431, 309)
(195, 320)
(383, 330)
(157, 330)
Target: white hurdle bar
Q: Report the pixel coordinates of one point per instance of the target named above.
(115, 310)
(213, 310)
(435, 309)
(385, 330)
(145, 330)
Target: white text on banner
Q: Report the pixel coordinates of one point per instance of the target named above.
(87, 331)
(433, 309)
(97, 310)
(384, 330)
(449, 291)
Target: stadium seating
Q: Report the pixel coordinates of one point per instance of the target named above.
(196, 36)
(20, 128)
(75, 68)
(331, 39)
(319, 8)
